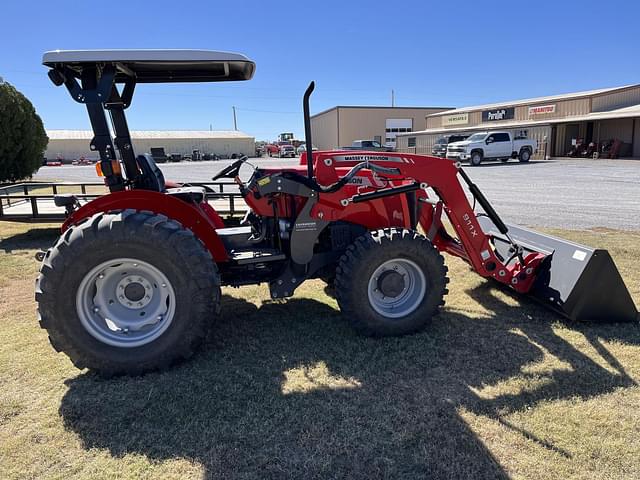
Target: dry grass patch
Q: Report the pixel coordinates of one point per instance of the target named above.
(496, 387)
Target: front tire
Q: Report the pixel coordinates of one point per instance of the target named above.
(127, 293)
(476, 159)
(390, 282)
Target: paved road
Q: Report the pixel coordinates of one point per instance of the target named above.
(571, 194)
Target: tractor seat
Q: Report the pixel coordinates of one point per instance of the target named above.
(188, 194)
(65, 200)
(152, 177)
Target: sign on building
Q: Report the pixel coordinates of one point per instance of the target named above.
(498, 114)
(542, 110)
(459, 119)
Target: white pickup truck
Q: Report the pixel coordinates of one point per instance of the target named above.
(491, 146)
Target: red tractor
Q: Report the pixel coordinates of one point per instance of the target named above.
(133, 283)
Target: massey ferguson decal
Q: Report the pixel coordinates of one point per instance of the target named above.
(371, 158)
(305, 226)
(365, 182)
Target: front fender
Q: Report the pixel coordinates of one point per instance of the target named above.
(190, 216)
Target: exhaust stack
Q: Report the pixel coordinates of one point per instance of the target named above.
(307, 129)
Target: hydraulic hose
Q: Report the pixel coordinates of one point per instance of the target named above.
(352, 173)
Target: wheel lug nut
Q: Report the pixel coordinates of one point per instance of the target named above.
(159, 317)
(96, 309)
(164, 285)
(101, 276)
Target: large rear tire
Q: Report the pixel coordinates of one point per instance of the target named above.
(390, 282)
(127, 293)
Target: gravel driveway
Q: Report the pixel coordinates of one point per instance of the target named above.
(573, 194)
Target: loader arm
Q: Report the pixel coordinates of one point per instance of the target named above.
(417, 173)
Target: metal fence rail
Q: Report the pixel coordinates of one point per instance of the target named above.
(34, 201)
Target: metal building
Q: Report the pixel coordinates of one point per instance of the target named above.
(557, 122)
(341, 125)
(73, 144)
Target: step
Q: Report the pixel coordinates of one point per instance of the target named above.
(257, 256)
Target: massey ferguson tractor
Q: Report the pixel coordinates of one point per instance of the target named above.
(133, 283)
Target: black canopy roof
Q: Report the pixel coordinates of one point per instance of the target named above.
(157, 66)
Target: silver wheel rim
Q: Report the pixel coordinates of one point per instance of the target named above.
(406, 298)
(125, 302)
(525, 155)
(475, 159)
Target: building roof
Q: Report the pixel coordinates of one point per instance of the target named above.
(382, 107)
(151, 134)
(626, 112)
(526, 101)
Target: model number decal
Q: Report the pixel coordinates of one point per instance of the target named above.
(367, 158)
(472, 229)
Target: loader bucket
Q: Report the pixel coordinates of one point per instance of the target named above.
(579, 282)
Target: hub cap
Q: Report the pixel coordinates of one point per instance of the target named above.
(396, 288)
(125, 302)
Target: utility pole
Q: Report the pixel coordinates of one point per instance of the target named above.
(235, 122)
(393, 98)
(210, 127)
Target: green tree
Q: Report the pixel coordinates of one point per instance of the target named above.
(23, 139)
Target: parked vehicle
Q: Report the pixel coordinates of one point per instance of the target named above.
(483, 146)
(83, 161)
(440, 146)
(159, 155)
(271, 149)
(370, 145)
(287, 151)
(302, 148)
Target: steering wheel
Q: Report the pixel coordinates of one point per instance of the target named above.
(231, 171)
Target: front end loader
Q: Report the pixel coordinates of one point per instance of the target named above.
(134, 282)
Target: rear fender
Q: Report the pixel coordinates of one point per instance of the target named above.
(199, 220)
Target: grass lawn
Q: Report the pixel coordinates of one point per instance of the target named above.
(497, 387)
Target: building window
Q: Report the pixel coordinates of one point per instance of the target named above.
(390, 139)
(411, 142)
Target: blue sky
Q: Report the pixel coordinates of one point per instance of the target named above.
(431, 53)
